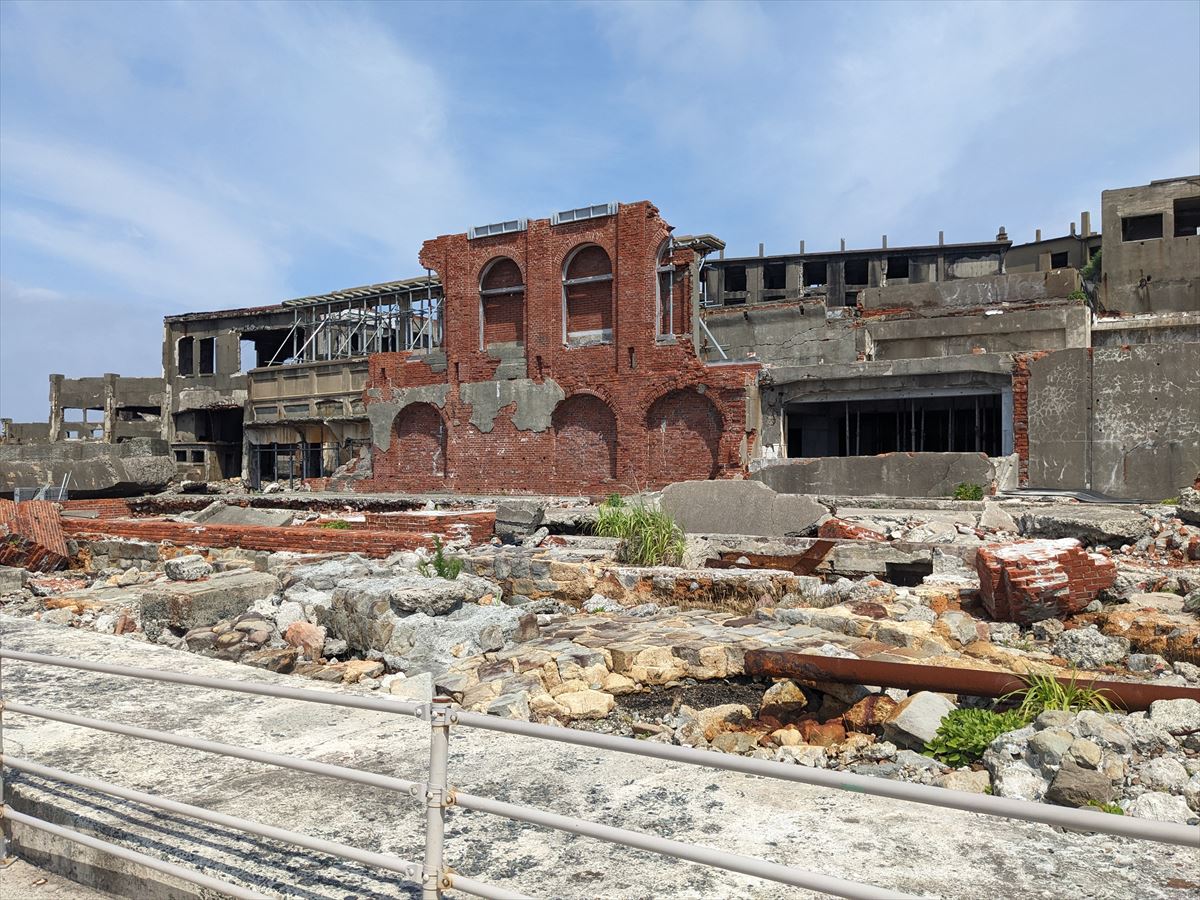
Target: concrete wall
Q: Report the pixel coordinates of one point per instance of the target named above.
(320, 390)
(95, 469)
(793, 334)
(1010, 331)
(1121, 421)
(887, 475)
(967, 293)
(1157, 275)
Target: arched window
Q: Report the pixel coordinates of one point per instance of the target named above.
(502, 304)
(587, 296)
(668, 293)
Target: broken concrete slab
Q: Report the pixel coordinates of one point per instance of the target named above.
(190, 604)
(1092, 524)
(249, 515)
(740, 507)
(517, 519)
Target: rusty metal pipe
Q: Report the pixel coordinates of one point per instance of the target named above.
(1131, 696)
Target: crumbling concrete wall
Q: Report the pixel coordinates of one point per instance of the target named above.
(794, 334)
(999, 331)
(94, 469)
(1123, 421)
(971, 293)
(886, 475)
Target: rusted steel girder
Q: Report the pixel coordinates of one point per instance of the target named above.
(1128, 695)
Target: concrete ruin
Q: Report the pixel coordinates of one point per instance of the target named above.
(596, 351)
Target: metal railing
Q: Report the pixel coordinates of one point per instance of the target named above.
(433, 874)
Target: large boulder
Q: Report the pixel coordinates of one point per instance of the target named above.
(1188, 506)
(517, 519)
(1088, 648)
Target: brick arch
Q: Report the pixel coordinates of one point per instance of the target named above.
(587, 295)
(683, 434)
(585, 442)
(419, 445)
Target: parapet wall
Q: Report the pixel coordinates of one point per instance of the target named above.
(887, 475)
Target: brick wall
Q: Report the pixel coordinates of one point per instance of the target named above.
(111, 508)
(1020, 380)
(638, 412)
(1032, 580)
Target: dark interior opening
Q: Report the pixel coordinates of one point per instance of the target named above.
(185, 355)
(735, 278)
(774, 276)
(1142, 228)
(964, 423)
(908, 574)
(857, 271)
(208, 356)
(1187, 217)
(816, 274)
(259, 348)
(1059, 260)
(897, 267)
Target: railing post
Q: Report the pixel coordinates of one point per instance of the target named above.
(436, 799)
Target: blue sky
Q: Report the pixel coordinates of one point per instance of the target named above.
(172, 157)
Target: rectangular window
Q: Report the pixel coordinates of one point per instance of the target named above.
(816, 274)
(1059, 260)
(181, 456)
(897, 267)
(1187, 217)
(197, 456)
(774, 276)
(1142, 228)
(208, 356)
(856, 271)
(185, 356)
(735, 279)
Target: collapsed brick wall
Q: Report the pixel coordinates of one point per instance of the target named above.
(111, 508)
(1033, 580)
(296, 538)
(637, 412)
(31, 536)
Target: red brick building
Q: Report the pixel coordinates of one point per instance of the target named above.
(568, 364)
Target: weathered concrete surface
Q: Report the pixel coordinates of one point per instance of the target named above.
(1121, 421)
(383, 414)
(95, 469)
(972, 292)
(740, 507)
(794, 334)
(187, 604)
(921, 850)
(21, 881)
(1053, 328)
(535, 402)
(889, 474)
(247, 515)
(1091, 523)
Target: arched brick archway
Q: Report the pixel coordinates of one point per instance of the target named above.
(683, 432)
(585, 443)
(419, 444)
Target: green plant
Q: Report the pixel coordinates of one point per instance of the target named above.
(649, 537)
(613, 501)
(1169, 501)
(1043, 692)
(1106, 807)
(441, 565)
(1077, 294)
(336, 524)
(968, 491)
(1091, 271)
(964, 734)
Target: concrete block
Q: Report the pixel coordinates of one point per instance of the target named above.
(740, 507)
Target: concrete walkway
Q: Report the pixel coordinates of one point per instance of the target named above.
(917, 849)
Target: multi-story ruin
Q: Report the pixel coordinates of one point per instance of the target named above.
(594, 351)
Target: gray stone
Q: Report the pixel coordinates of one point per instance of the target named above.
(995, 518)
(1146, 662)
(1179, 717)
(12, 579)
(1187, 671)
(1047, 748)
(1103, 731)
(1086, 753)
(1018, 780)
(914, 760)
(740, 507)
(1047, 629)
(1163, 774)
(187, 568)
(1053, 718)
(1160, 806)
(1188, 506)
(517, 519)
(182, 604)
(1088, 648)
(249, 515)
(915, 721)
(965, 780)
(1077, 785)
(961, 625)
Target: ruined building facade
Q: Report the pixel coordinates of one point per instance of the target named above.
(594, 351)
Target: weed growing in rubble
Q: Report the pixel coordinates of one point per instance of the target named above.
(1043, 692)
(337, 524)
(966, 491)
(649, 537)
(441, 565)
(1106, 807)
(965, 733)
